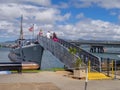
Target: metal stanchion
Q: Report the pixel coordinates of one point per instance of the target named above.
(86, 81)
(108, 66)
(112, 69)
(115, 70)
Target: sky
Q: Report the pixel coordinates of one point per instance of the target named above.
(69, 19)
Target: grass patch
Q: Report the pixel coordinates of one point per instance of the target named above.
(54, 69)
(27, 71)
(37, 71)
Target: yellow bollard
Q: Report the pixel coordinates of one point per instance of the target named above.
(89, 66)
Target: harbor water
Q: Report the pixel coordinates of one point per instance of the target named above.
(48, 60)
(112, 53)
(4, 55)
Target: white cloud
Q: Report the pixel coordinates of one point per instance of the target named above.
(9, 11)
(62, 5)
(42, 16)
(108, 4)
(90, 29)
(113, 13)
(48, 15)
(81, 3)
(64, 17)
(41, 2)
(80, 15)
(38, 2)
(47, 18)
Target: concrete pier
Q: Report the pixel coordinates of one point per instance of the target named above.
(53, 81)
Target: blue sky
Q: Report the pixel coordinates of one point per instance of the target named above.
(70, 19)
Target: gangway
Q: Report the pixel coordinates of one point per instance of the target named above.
(61, 48)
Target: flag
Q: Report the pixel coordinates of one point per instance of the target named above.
(31, 28)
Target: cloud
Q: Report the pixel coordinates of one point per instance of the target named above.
(48, 17)
(80, 15)
(90, 29)
(108, 4)
(62, 5)
(40, 2)
(42, 16)
(81, 3)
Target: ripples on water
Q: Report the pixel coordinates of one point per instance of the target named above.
(48, 60)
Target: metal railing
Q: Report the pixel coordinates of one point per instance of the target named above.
(61, 48)
(84, 55)
(110, 67)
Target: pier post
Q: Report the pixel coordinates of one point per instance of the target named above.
(112, 69)
(115, 70)
(86, 81)
(108, 62)
(89, 65)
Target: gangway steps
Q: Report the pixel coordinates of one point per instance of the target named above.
(69, 53)
(98, 76)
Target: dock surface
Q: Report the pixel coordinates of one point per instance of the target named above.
(49, 80)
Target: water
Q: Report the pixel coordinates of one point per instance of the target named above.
(112, 53)
(4, 55)
(48, 60)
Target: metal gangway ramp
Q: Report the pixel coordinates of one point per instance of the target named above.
(61, 48)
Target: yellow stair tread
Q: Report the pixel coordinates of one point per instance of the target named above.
(97, 76)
